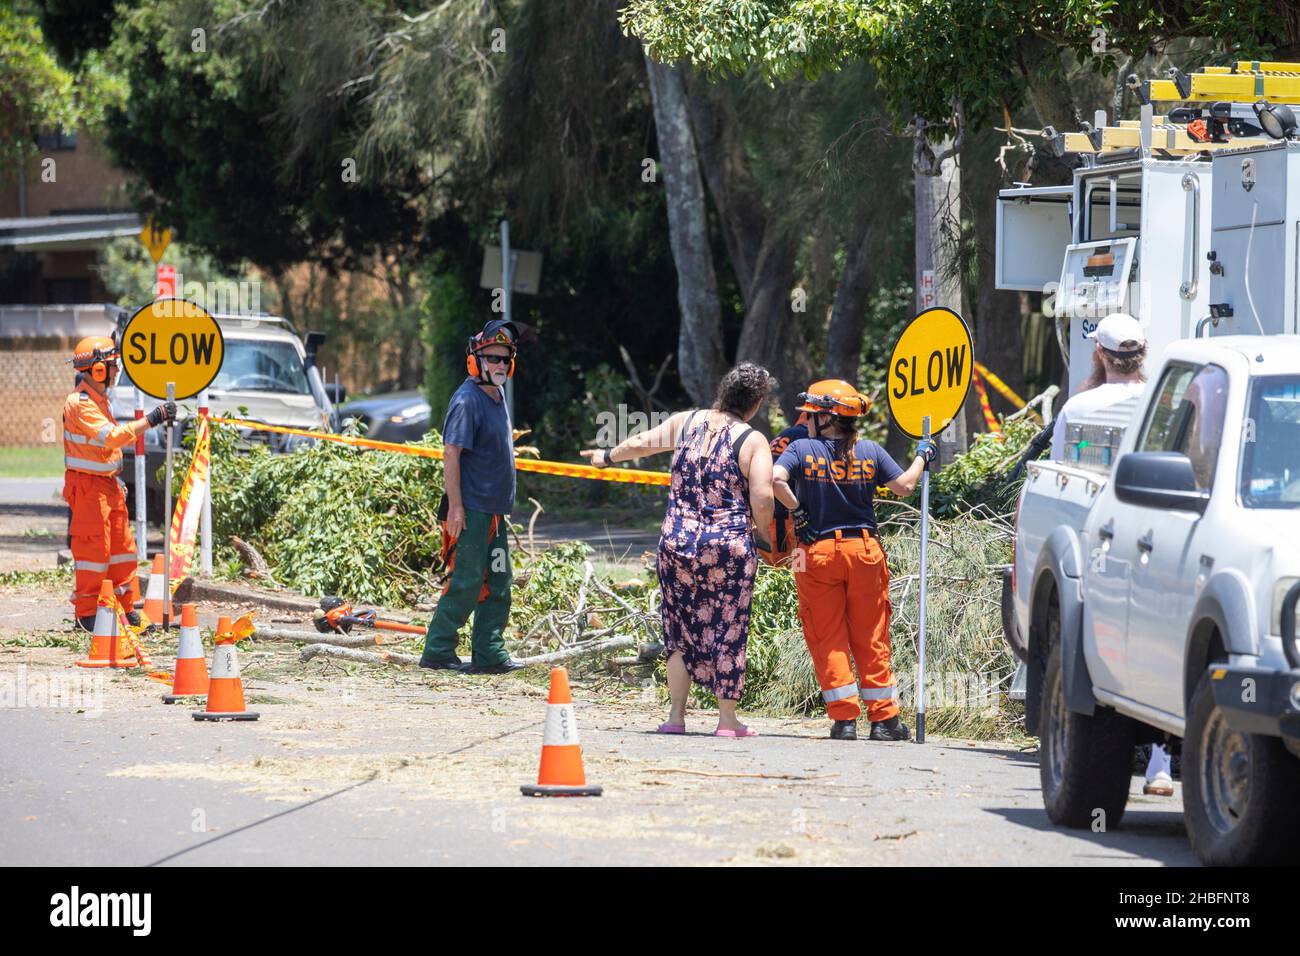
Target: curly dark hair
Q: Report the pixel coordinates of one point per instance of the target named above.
(742, 388)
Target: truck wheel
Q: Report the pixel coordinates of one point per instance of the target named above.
(1238, 790)
(1083, 762)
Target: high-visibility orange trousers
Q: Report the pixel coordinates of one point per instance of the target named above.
(102, 543)
(844, 606)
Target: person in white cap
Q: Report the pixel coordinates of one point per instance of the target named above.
(1116, 376)
(1116, 373)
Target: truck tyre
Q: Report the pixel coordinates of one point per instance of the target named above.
(1238, 790)
(1084, 762)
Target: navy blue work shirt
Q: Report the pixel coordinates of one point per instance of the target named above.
(481, 427)
(836, 497)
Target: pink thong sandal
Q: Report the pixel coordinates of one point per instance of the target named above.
(743, 732)
(671, 729)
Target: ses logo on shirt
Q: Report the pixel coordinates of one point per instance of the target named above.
(820, 468)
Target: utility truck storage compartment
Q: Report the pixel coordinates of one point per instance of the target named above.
(1033, 226)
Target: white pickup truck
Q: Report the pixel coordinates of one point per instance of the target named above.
(1153, 598)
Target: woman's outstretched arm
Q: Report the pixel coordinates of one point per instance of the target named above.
(661, 438)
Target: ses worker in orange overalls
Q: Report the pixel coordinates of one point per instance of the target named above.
(100, 529)
(840, 570)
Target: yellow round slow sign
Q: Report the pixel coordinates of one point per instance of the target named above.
(930, 372)
(172, 340)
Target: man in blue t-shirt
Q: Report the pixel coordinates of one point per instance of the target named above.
(479, 476)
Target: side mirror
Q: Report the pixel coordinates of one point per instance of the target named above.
(1159, 479)
(337, 393)
(311, 344)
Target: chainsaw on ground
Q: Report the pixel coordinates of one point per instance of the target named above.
(336, 615)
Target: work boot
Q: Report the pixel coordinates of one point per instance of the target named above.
(133, 618)
(455, 664)
(87, 624)
(891, 729)
(844, 730)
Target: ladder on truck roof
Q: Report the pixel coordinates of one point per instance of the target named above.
(1247, 81)
(1165, 136)
(1236, 88)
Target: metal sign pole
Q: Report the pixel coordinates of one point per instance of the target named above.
(925, 542)
(141, 512)
(167, 518)
(205, 518)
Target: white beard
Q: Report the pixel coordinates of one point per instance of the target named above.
(498, 376)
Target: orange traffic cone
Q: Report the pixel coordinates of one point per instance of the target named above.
(191, 678)
(561, 773)
(108, 646)
(225, 689)
(156, 594)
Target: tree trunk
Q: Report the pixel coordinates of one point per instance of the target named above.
(761, 249)
(849, 310)
(701, 361)
(938, 228)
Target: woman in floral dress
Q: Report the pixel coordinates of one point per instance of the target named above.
(721, 492)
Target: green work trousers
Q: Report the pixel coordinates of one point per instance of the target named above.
(478, 560)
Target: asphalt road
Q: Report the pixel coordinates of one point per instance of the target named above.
(418, 769)
(33, 523)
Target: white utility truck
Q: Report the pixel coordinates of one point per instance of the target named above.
(1153, 592)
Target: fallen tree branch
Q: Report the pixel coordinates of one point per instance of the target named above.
(328, 648)
(255, 564)
(316, 637)
(360, 657)
(755, 776)
(581, 650)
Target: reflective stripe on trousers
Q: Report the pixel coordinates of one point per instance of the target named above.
(888, 692)
(840, 693)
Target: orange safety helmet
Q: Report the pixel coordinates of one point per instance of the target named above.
(834, 396)
(93, 353)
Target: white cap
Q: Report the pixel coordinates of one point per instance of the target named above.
(1116, 329)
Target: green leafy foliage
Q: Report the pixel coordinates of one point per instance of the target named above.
(334, 519)
(979, 476)
(928, 52)
(38, 93)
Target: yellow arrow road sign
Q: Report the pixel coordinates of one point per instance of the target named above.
(172, 340)
(155, 239)
(930, 371)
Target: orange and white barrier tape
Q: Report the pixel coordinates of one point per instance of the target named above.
(563, 469)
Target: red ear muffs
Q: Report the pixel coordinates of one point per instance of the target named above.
(99, 372)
